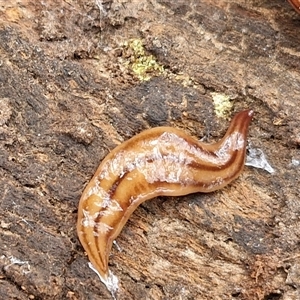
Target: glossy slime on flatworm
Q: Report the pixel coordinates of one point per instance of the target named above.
(162, 161)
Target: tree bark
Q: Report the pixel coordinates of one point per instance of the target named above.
(73, 87)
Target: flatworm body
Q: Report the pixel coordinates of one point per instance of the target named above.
(162, 161)
(296, 5)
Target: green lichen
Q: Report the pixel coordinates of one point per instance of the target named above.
(143, 66)
(222, 104)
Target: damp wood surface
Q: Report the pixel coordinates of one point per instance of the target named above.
(71, 91)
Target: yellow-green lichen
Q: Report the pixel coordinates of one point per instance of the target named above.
(143, 66)
(222, 104)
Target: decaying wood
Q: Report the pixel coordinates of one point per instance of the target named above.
(69, 94)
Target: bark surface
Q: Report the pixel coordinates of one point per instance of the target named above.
(73, 86)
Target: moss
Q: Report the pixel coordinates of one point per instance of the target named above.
(222, 104)
(144, 66)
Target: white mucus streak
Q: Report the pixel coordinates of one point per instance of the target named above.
(102, 228)
(111, 282)
(89, 220)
